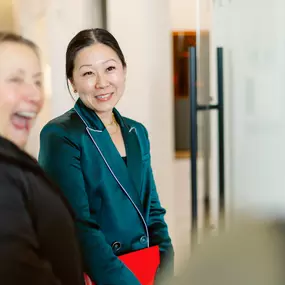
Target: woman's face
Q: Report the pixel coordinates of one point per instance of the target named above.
(21, 95)
(99, 78)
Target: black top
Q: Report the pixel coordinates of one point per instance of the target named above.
(37, 238)
(125, 159)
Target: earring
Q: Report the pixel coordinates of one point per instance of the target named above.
(74, 91)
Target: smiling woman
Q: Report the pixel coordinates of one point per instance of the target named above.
(37, 239)
(106, 73)
(97, 71)
(21, 96)
(101, 161)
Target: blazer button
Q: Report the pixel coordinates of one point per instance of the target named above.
(143, 240)
(116, 246)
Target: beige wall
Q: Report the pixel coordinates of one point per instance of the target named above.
(185, 14)
(6, 16)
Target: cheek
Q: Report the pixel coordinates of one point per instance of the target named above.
(42, 100)
(90, 83)
(118, 81)
(85, 85)
(8, 103)
(8, 99)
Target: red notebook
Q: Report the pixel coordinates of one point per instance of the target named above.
(143, 263)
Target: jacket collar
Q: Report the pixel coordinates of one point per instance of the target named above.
(92, 120)
(130, 177)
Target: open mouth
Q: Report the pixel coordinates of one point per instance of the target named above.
(104, 97)
(22, 120)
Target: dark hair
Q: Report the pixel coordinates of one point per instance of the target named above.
(14, 38)
(87, 38)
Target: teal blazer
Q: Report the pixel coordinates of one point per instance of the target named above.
(117, 207)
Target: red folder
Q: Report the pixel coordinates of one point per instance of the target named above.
(143, 263)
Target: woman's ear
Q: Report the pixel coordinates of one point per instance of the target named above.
(72, 85)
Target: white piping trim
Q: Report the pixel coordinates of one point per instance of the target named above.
(132, 128)
(88, 129)
(145, 225)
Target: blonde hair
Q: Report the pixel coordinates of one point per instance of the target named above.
(14, 38)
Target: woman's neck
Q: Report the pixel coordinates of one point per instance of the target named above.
(106, 117)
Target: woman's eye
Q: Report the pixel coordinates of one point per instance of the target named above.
(39, 83)
(87, 73)
(110, 68)
(16, 79)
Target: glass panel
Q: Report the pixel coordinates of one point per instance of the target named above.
(254, 98)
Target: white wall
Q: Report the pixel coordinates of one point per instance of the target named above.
(254, 68)
(185, 14)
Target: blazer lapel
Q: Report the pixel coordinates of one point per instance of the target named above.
(134, 157)
(129, 178)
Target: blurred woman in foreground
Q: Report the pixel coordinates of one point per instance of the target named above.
(37, 240)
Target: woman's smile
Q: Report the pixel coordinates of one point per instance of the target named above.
(104, 97)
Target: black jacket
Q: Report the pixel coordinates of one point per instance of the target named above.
(37, 239)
